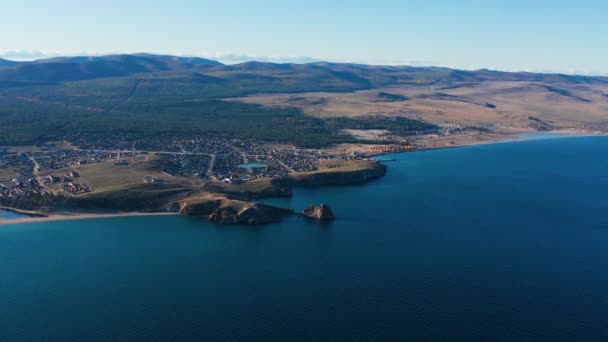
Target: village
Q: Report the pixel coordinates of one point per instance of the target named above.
(53, 168)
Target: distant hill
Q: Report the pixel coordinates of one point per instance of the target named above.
(272, 77)
(161, 61)
(60, 69)
(151, 94)
(6, 62)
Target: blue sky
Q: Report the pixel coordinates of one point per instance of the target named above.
(563, 36)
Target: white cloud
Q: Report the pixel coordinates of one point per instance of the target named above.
(234, 58)
(25, 54)
(29, 55)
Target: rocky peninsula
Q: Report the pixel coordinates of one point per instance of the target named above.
(230, 203)
(219, 202)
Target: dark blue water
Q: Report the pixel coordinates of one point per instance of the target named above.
(497, 242)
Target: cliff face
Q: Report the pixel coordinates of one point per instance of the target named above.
(254, 214)
(220, 211)
(376, 170)
(320, 212)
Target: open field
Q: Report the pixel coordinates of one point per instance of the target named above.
(499, 105)
(307, 105)
(7, 173)
(107, 177)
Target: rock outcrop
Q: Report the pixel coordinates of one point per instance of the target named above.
(231, 211)
(321, 212)
(254, 214)
(225, 215)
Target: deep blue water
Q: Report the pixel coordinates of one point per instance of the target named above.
(497, 242)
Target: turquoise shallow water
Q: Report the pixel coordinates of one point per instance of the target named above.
(495, 242)
(9, 215)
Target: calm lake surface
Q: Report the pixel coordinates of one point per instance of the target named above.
(9, 215)
(496, 242)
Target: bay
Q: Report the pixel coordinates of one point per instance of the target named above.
(492, 242)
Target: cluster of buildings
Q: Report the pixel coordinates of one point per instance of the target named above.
(212, 157)
(393, 148)
(24, 181)
(75, 188)
(186, 165)
(297, 160)
(207, 156)
(19, 163)
(19, 179)
(32, 176)
(50, 160)
(20, 187)
(68, 182)
(125, 141)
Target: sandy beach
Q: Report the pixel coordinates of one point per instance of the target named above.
(76, 216)
(432, 143)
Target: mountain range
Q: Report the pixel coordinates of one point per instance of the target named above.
(337, 76)
(158, 94)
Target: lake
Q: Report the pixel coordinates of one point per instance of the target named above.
(501, 242)
(9, 215)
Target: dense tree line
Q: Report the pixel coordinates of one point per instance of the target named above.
(286, 125)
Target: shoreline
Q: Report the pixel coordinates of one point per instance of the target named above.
(76, 216)
(520, 137)
(38, 216)
(504, 138)
(32, 213)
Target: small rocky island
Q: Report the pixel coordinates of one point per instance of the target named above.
(321, 212)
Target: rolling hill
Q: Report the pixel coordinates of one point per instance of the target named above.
(6, 62)
(152, 93)
(61, 69)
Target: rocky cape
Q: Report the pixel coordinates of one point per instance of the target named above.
(221, 203)
(283, 187)
(225, 211)
(229, 212)
(339, 177)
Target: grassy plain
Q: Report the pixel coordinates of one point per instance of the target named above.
(500, 105)
(107, 177)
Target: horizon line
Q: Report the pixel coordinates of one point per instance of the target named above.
(234, 59)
